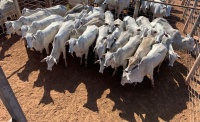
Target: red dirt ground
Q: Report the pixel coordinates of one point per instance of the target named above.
(82, 94)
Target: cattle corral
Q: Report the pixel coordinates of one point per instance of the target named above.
(78, 93)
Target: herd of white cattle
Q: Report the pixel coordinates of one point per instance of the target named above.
(136, 44)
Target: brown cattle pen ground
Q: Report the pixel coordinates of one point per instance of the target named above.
(82, 94)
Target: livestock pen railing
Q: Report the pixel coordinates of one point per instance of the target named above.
(185, 16)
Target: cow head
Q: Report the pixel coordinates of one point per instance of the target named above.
(101, 62)
(110, 41)
(50, 62)
(108, 59)
(135, 76)
(34, 41)
(72, 45)
(172, 58)
(17, 27)
(101, 49)
(24, 30)
(9, 27)
(25, 11)
(29, 38)
(188, 43)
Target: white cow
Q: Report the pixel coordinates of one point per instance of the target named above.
(15, 26)
(157, 31)
(7, 9)
(100, 46)
(178, 41)
(118, 29)
(158, 10)
(119, 58)
(172, 56)
(58, 10)
(93, 14)
(144, 25)
(59, 45)
(81, 45)
(28, 12)
(142, 51)
(118, 5)
(144, 6)
(131, 25)
(43, 38)
(76, 15)
(75, 33)
(109, 20)
(40, 25)
(121, 41)
(146, 67)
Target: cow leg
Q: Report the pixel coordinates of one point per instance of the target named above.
(86, 56)
(64, 57)
(96, 57)
(125, 64)
(114, 72)
(151, 78)
(41, 57)
(159, 67)
(47, 49)
(81, 60)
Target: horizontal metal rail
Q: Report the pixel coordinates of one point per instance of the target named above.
(173, 4)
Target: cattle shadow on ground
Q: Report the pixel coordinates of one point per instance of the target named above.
(5, 44)
(167, 99)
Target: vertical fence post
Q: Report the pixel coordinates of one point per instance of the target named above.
(195, 25)
(9, 99)
(137, 6)
(48, 3)
(191, 12)
(17, 8)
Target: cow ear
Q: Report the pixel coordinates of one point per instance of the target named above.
(44, 60)
(98, 61)
(54, 60)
